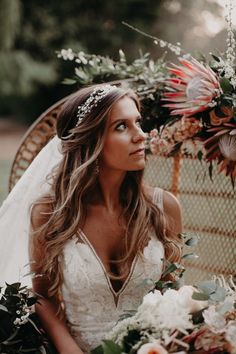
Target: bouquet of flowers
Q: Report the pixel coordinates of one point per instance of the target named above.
(199, 320)
(20, 329)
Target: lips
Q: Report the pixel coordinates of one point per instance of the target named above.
(137, 151)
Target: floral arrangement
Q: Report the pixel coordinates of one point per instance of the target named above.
(20, 329)
(188, 108)
(202, 103)
(199, 320)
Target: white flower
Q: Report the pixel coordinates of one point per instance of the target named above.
(186, 292)
(164, 311)
(152, 348)
(121, 329)
(152, 298)
(230, 333)
(17, 321)
(193, 147)
(172, 312)
(214, 320)
(66, 54)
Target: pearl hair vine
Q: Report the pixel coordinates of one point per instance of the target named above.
(96, 96)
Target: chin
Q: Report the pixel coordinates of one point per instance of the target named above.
(138, 167)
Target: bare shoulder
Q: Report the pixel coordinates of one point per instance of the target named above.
(149, 191)
(170, 202)
(172, 208)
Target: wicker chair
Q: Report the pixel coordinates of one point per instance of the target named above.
(208, 206)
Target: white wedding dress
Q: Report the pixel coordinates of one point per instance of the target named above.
(92, 305)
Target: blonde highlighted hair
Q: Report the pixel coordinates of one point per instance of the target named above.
(73, 182)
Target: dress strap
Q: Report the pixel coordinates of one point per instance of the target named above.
(158, 198)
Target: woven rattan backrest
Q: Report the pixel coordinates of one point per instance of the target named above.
(209, 207)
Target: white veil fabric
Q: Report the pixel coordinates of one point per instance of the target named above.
(15, 215)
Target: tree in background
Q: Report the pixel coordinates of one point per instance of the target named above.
(32, 31)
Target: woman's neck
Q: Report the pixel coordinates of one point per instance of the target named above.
(108, 192)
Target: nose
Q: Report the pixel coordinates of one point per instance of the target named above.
(139, 135)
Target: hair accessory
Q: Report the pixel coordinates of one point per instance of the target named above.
(97, 95)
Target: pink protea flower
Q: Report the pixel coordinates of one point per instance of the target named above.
(193, 89)
(222, 147)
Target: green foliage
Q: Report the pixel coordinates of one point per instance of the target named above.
(31, 32)
(143, 74)
(210, 290)
(21, 75)
(20, 329)
(107, 347)
(10, 11)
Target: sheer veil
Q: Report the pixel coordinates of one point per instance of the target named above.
(15, 215)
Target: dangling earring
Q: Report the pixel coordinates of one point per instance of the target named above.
(96, 171)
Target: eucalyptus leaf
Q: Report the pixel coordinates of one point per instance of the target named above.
(200, 296)
(219, 295)
(207, 286)
(225, 307)
(170, 269)
(193, 241)
(190, 256)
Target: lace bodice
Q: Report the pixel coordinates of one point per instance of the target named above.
(92, 306)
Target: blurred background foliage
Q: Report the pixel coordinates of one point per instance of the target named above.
(32, 31)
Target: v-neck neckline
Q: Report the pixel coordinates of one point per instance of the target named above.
(115, 293)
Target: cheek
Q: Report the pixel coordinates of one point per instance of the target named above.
(115, 150)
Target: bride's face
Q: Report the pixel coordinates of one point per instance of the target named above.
(124, 143)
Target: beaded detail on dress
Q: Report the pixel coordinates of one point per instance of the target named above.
(92, 306)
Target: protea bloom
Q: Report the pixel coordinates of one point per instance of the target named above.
(222, 147)
(193, 89)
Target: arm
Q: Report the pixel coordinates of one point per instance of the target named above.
(47, 307)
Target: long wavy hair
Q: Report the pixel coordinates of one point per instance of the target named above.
(74, 181)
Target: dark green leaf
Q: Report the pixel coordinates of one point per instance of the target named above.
(215, 57)
(171, 268)
(109, 347)
(97, 350)
(225, 85)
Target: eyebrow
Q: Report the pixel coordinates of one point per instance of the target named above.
(124, 119)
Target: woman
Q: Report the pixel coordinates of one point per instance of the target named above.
(100, 231)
